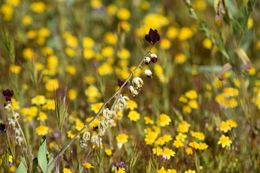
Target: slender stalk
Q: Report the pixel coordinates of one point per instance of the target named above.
(66, 146)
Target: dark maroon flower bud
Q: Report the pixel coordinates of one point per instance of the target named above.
(154, 57)
(121, 82)
(153, 36)
(8, 94)
(154, 60)
(2, 127)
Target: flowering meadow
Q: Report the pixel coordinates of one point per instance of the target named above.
(120, 86)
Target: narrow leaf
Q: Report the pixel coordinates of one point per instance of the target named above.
(21, 168)
(42, 156)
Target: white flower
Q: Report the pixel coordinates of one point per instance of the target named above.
(153, 55)
(16, 115)
(11, 122)
(96, 140)
(108, 114)
(133, 91)
(122, 101)
(86, 136)
(19, 140)
(147, 60)
(148, 73)
(137, 82)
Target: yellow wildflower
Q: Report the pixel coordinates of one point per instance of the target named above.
(163, 120)
(42, 130)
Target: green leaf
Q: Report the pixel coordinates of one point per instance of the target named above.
(42, 156)
(21, 168)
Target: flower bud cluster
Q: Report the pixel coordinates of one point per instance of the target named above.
(12, 121)
(106, 122)
(137, 82)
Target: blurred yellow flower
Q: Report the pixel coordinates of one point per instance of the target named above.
(27, 20)
(88, 165)
(163, 120)
(172, 32)
(123, 53)
(72, 94)
(88, 42)
(163, 140)
(131, 104)
(71, 69)
(107, 51)
(38, 100)
(198, 135)
(165, 43)
(111, 9)
(105, 69)
(38, 7)
(108, 152)
(167, 153)
(152, 20)
(92, 93)
(207, 43)
(110, 38)
(191, 94)
(42, 116)
(148, 120)
(79, 124)
(123, 14)
(180, 58)
(16, 69)
(224, 141)
(7, 11)
(150, 137)
(13, 2)
(28, 53)
(121, 139)
(88, 53)
(133, 115)
(96, 4)
(185, 33)
(183, 127)
(67, 170)
(95, 107)
(42, 130)
(120, 170)
(250, 23)
(189, 151)
(190, 171)
(52, 85)
(50, 105)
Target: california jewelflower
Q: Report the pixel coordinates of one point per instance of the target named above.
(13, 117)
(94, 135)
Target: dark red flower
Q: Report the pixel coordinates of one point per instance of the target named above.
(8, 94)
(153, 36)
(2, 127)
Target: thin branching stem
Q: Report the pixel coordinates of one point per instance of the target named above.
(99, 111)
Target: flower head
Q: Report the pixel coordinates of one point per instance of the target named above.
(8, 94)
(224, 141)
(153, 36)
